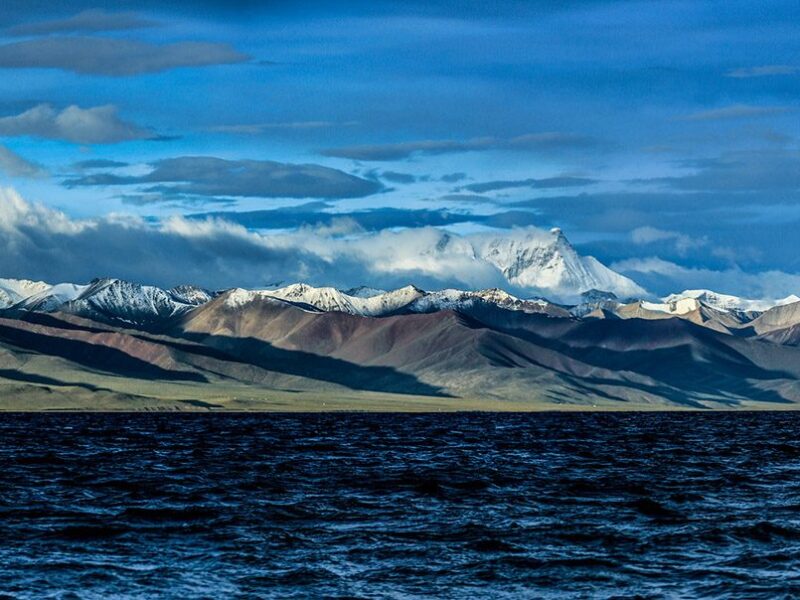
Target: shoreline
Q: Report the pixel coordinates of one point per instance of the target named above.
(403, 409)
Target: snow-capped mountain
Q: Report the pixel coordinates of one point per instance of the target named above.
(461, 300)
(538, 262)
(364, 291)
(190, 295)
(328, 299)
(595, 300)
(690, 301)
(107, 300)
(52, 297)
(377, 303)
(543, 261)
(118, 301)
(13, 291)
(722, 302)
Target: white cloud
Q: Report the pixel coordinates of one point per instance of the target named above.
(665, 276)
(763, 71)
(13, 165)
(96, 125)
(41, 243)
(86, 21)
(210, 176)
(114, 57)
(260, 128)
(650, 235)
(736, 111)
(550, 141)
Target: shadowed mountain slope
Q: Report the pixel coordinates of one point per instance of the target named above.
(484, 345)
(139, 354)
(495, 351)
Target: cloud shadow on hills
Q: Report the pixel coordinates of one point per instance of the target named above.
(723, 378)
(244, 351)
(252, 351)
(93, 356)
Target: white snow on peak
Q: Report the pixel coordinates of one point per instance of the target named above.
(547, 261)
(409, 298)
(330, 299)
(676, 306)
(108, 298)
(532, 259)
(120, 300)
(13, 291)
(364, 291)
(189, 294)
(724, 302)
(238, 297)
(451, 299)
(53, 297)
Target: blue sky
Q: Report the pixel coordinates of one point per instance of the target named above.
(654, 133)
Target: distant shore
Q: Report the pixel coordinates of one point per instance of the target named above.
(34, 399)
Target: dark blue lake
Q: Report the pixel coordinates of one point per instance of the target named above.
(399, 506)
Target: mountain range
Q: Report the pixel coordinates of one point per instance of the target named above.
(114, 344)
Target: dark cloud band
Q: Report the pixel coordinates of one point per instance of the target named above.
(113, 57)
(211, 176)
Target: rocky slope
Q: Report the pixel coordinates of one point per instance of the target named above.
(120, 338)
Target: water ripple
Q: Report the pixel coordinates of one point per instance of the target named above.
(400, 506)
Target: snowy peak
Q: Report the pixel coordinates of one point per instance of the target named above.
(119, 302)
(547, 261)
(538, 261)
(13, 291)
(724, 302)
(593, 301)
(328, 299)
(52, 298)
(409, 299)
(109, 300)
(364, 291)
(191, 295)
(463, 300)
(116, 300)
(673, 306)
(325, 298)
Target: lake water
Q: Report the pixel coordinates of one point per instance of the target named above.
(399, 506)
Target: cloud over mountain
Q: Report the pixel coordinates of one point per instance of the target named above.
(662, 275)
(42, 243)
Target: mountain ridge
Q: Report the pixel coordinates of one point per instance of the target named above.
(115, 339)
(122, 302)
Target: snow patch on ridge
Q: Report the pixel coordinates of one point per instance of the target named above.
(13, 291)
(330, 299)
(725, 302)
